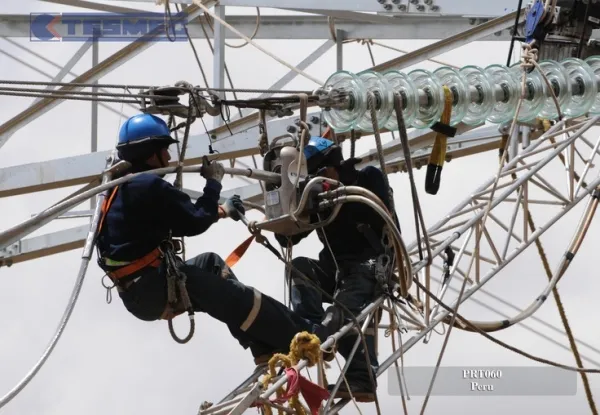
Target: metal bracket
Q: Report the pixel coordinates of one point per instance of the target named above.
(11, 250)
(7, 253)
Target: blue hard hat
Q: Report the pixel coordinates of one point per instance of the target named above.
(317, 145)
(142, 128)
(141, 136)
(320, 152)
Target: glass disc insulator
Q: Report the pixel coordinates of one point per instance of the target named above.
(431, 98)
(506, 93)
(376, 84)
(459, 88)
(594, 62)
(561, 86)
(584, 87)
(481, 93)
(348, 101)
(402, 85)
(535, 92)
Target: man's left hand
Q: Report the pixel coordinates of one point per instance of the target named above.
(233, 207)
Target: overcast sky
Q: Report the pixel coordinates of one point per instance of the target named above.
(107, 362)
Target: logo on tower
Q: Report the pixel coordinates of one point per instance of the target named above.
(107, 27)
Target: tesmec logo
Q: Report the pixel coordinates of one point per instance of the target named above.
(106, 27)
(42, 27)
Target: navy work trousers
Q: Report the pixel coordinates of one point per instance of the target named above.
(356, 287)
(254, 319)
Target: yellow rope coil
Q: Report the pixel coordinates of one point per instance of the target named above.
(303, 346)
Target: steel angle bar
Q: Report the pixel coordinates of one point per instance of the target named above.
(454, 151)
(305, 63)
(419, 139)
(219, 56)
(90, 5)
(70, 171)
(106, 66)
(59, 77)
(47, 75)
(462, 7)
(451, 43)
(306, 27)
(346, 15)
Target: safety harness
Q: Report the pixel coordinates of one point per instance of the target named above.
(123, 274)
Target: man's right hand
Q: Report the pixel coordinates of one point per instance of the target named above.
(212, 170)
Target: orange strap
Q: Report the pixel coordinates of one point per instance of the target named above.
(326, 133)
(105, 206)
(152, 259)
(238, 252)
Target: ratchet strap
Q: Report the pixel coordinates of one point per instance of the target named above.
(438, 153)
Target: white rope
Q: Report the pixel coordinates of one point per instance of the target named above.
(247, 39)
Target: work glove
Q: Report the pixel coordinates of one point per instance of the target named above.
(233, 207)
(212, 170)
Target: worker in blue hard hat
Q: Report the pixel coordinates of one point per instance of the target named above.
(345, 269)
(139, 219)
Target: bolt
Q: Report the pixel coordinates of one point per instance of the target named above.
(402, 7)
(420, 7)
(291, 129)
(297, 122)
(381, 1)
(414, 1)
(396, 1)
(435, 8)
(314, 119)
(428, 2)
(499, 33)
(472, 21)
(387, 6)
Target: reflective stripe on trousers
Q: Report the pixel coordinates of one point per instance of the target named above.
(253, 311)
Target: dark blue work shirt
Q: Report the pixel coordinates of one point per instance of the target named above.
(343, 234)
(146, 208)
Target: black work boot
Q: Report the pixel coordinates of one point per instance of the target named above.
(361, 391)
(262, 354)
